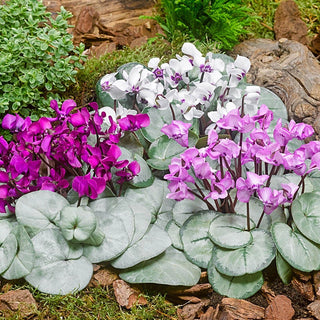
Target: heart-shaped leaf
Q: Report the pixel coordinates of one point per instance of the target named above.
(183, 209)
(195, 238)
(252, 258)
(255, 211)
(154, 242)
(23, 260)
(170, 268)
(58, 267)
(230, 231)
(77, 223)
(39, 210)
(306, 215)
(241, 287)
(297, 250)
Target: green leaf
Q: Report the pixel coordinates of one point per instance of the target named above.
(59, 268)
(306, 215)
(77, 223)
(195, 238)
(255, 210)
(8, 249)
(39, 210)
(116, 221)
(298, 251)
(183, 209)
(252, 258)
(241, 287)
(145, 177)
(23, 260)
(153, 198)
(174, 233)
(284, 269)
(230, 231)
(163, 149)
(154, 242)
(170, 268)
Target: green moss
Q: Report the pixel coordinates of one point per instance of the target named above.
(96, 303)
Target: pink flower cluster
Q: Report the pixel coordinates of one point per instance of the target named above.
(212, 172)
(69, 150)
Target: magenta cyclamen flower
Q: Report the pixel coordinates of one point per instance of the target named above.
(178, 131)
(15, 123)
(134, 122)
(87, 186)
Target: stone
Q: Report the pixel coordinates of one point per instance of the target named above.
(126, 296)
(315, 45)
(314, 308)
(103, 48)
(138, 42)
(279, 309)
(288, 23)
(86, 20)
(240, 309)
(18, 301)
(304, 288)
(293, 74)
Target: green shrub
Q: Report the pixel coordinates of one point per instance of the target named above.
(221, 20)
(37, 57)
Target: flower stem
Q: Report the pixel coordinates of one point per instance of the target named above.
(248, 217)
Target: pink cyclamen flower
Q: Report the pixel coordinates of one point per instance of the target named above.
(246, 187)
(271, 199)
(178, 131)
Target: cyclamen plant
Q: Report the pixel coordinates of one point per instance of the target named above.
(210, 175)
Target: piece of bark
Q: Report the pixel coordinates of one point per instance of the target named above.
(196, 290)
(279, 309)
(291, 71)
(20, 301)
(208, 315)
(241, 309)
(103, 277)
(314, 309)
(267, 292)
(192, 310)
(304, 288)
(126, 296)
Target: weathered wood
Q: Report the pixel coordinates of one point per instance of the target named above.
(288, 69)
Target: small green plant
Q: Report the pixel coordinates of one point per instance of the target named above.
(37, 57)
(221, 20)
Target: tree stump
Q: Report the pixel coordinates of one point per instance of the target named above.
(290, 70)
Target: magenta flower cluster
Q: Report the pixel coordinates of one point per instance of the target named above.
(71, 150)
(246, 166)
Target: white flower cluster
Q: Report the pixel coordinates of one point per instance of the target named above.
(192, 83)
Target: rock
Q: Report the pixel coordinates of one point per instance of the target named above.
(293, 73)
(126, 296)
(240, 309)
(304, 288)
(288, 23)
(20, 301)
(138, 42)
(279, 309)
(314, 309)
(86, 20)
(103, 48)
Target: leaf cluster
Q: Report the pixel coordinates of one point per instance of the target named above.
(223, 21)
(37, 57)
